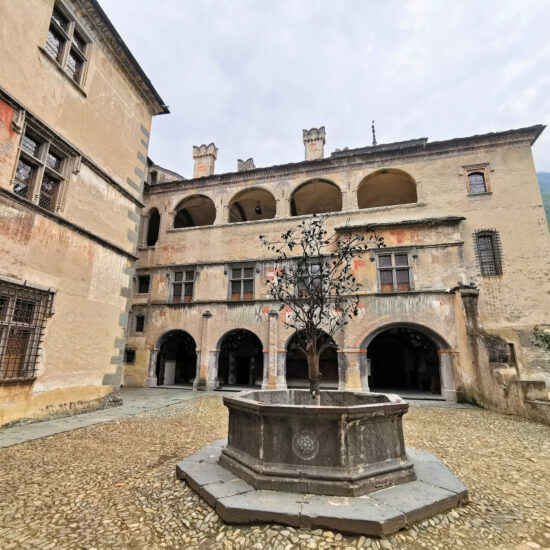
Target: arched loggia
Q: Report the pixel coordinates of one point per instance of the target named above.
(241, 359)
(316, 197)
(386, 187)
(177, 359)
(195, 211)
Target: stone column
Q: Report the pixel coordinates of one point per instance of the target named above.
(356, 375)
(271, 367)
(204, 355)
(151, 381)
(446, 374)
(166, 222)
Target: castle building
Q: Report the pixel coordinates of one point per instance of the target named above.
(70, 203)
(447, 306)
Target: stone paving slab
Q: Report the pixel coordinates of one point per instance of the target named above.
(379, 513)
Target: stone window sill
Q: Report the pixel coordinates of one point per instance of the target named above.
(17, 381)
(485, 194)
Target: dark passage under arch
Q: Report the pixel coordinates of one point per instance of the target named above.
(177, 359)
(241, 359)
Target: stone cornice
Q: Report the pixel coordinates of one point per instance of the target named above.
(385, 153)
(127, 62)
(430, 222)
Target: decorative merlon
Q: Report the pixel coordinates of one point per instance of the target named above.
(314, 142)
(245, 165)
(205, 156)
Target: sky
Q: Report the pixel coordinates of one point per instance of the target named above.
(250, 75)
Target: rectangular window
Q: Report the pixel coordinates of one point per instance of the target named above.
(183, 285)
(394, 272)
(140, 323)
(242, 283)
(143, 282)
(23, 312)
(67, 44)
(40, 170)
(308, 277)
(487, 244)
(130, 356)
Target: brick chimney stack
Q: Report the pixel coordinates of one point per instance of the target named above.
(314, 142)
(205, 156)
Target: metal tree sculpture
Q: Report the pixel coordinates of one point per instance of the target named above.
(315, 280)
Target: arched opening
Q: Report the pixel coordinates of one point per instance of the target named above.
(296, 363)
(404, 360)
(153, 227)
(241, 359)
(386, 188)
(195, 211)
(316, 197)
(177, 359)
(252, 204)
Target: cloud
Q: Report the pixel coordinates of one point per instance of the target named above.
(249, 75)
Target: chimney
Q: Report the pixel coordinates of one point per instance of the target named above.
(205, 156)
(245, 165)
(314, 142)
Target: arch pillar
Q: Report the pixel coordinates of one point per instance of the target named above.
(274, 377)
(203, 378)
(166, 222)
(151, 381)
(353, 362)
(283, 207)
(447, 360)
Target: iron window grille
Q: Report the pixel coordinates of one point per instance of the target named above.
(183, 285)
(40, 171)
(67, 44)
(488, 251)
(394, 272)
(143, 284)
(477, 183)
(242, 283)
(140, 323)
(23, 312)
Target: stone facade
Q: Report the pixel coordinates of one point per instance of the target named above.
(466, 260)
(70, 203)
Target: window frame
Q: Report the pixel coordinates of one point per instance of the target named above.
(483, 169)
(125, 358)
(183, 282)
(41, 169)
(142, 276)
(496, 252)
(242, 280)
(33, 327)
(393, 268)
(69, 44)
(141, 316)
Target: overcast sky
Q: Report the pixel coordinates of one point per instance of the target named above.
(250, 75)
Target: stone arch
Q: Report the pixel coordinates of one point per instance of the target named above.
(407, 357)
(253, 203)
(240, 359)
(153, 227)
(386, 187)
(177, 358)
(296, 368)
(316, 196)
(195, 211)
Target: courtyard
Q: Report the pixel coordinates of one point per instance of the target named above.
(113, 484)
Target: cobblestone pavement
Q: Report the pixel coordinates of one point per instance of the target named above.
(113, 485)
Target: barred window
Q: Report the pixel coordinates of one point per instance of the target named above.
(487, 245)
(140, 323)
(309, 277)
(242, 283)
(143, 282)
(476, 183)
(23, 312)
(67, 44)
(394, 272)
(40, 170)
(183, 285)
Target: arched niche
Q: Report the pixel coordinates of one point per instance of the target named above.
(386, 188)
(195, 211)
(316, 197)
(252, 204)
(153, 226)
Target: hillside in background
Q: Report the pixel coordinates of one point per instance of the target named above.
(544, 183)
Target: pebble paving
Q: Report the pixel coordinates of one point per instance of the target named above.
(113, 486)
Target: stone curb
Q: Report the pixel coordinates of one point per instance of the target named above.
(380, 513)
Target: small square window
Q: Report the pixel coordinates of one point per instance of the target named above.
(394, 272)
(140, 323)
(183, 286)
(130, 356)
(242, 283)
(143, 282)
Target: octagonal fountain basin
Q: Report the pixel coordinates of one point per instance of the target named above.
(350, 445)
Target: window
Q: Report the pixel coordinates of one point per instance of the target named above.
(40, 170)
(487, 245)
(143, 282)
(476, 183)
(308, 277)
(130, 356)
(512, 351)
(242, 283)
(67, 45)
(140, 323)
(23, 311)
(394, 272)
(182, 286)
